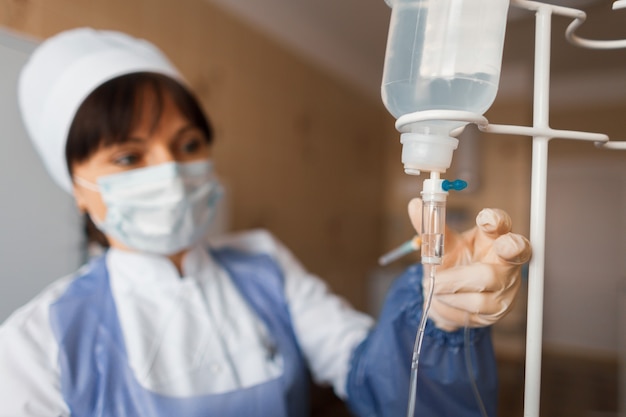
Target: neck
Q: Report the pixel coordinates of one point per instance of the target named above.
(176, 258)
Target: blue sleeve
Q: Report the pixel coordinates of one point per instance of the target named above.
(378, 382)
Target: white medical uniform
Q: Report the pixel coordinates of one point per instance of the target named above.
(185, 336)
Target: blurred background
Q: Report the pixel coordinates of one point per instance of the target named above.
(307, 150)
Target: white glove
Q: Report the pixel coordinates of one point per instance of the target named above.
(480, 275)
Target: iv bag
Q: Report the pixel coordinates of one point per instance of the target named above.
(443, 55)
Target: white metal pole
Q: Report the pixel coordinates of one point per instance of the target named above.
(541, 103)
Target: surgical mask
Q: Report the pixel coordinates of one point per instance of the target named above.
(161, 209)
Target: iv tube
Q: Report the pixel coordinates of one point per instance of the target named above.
(434, 196)
(417, 347)
(467, 346)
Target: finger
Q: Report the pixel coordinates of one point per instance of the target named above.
(489, 303)
(415, 215)
(446, 321)
(485, 303)
(490, 224)
(493, 222)
(450, 319)
(478, 310)
(512, 248)
(476, 277)
(480, 320)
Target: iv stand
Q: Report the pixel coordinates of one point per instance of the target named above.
(541, 134)
(541, 138)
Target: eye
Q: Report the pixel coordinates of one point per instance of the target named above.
(126, 159)
(192, 144)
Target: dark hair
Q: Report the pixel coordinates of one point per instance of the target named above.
(110, 113)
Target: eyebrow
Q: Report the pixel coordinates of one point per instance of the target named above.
(185, 128)
(135, 139)
(176, 136)
(116, 145)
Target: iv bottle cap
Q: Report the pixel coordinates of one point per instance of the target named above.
(427, 152)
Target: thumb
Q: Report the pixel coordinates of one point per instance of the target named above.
(493, 222)
(490, 225)
(456, 250)
(415, 214)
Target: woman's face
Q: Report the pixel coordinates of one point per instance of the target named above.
(172, 139)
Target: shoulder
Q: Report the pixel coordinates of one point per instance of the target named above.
(27, 332)
(29, 371)
(35, 312)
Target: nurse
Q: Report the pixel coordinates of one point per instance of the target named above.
(164, 325)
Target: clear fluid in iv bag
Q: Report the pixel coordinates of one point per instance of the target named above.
(459, 92)
(443, 55)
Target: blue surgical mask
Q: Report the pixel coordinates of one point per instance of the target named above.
(161, 209)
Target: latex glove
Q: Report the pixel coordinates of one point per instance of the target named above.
(480, 275)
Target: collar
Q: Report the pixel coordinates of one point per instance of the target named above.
(142, 270)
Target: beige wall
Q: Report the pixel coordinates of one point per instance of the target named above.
(299, 152)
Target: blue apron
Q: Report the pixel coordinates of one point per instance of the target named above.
(97, 381)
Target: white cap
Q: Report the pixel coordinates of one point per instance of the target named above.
(427, 152)
(63, 71)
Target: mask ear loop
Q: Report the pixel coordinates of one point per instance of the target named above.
(470, 369)
(93, 187)
(86, 184)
